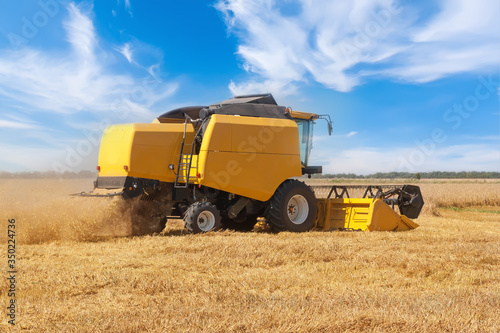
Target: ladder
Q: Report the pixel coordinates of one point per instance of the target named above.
(182, 176)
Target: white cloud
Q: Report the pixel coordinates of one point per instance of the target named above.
(278, 88)
(353, 133)
(15, 124)
(463, 19)
(81, 33)
(342, 43)
(77, 84)
(126, 51)
(127, 7)
(367, 160)
(67, 83)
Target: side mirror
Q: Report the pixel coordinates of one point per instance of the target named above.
(328, 120)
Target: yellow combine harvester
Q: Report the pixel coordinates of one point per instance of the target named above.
(225, 165)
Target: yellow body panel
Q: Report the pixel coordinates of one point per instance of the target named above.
(249, 156)
(114, 151)
(147, 150)
(360, 214)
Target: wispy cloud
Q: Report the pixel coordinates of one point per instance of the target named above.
(15, 124)
(76, 81)
(127, 5)
(340, 44)
(126, 51)
(353, 133)
(56, 93)
(80, 33)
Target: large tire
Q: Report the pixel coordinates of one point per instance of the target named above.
(202, 217)
(245, 224)
(292, 207)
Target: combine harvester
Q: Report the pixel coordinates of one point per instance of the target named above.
(227, 164)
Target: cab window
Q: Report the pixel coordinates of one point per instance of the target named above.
(305, 139)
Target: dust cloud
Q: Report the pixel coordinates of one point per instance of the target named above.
(44, 211)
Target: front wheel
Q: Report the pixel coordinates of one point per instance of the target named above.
(292, 207)
(202, 217)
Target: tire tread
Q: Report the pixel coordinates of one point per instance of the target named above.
(273, 210)
(192, 212)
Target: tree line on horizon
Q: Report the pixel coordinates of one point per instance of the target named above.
(417, 175)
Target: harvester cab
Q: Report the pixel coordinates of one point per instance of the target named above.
(227, 164)
(305, 124)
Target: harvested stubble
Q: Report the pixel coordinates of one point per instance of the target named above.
(442, 276)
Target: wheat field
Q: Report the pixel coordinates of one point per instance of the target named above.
(80, 271)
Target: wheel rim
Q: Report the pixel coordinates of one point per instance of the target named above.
(206, 221)
(297, 209)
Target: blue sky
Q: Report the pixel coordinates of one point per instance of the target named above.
(411, 86)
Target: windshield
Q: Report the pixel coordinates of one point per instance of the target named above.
(305, 139)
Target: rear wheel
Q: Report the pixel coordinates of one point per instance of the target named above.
(202, 217)
(145, 216)
(292, 207)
